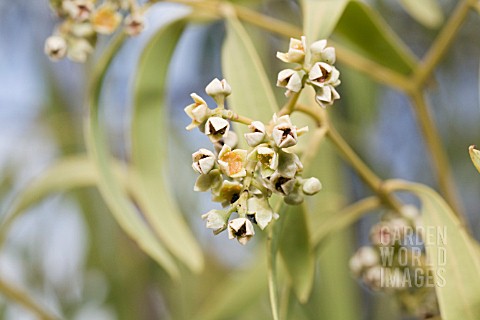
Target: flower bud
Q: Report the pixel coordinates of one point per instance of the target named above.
(365, 257)
(218, 90)
(257, 134)
(203, 161)
(311, 186)
(216, 128)
(55, 47)
(294, 198)
(241, 229)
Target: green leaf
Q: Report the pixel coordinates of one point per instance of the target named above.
(123, 210)
(475, 156)
(459, 298)
(149, 147)
(320, 17)
(296, 250)
(252, 94)
(363, 29)
(427, 12)
(231, 296)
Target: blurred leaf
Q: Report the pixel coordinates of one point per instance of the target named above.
(149, 147)
(320, 17)
(296, 250)
(231, 296)
(252, 94)
(456, 254)
(123, 210)
(363, 29)
(427, 12)
(344, 219)
(475, 155)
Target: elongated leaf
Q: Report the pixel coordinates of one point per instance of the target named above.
(320, 17)
(242, 288)
(120, 205)
(475, 155)
(149, 147)
(427, 12)
(455, 258)
(252, 94)
(296, 250)
(365, 31)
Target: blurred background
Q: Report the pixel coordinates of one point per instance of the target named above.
(70, 254)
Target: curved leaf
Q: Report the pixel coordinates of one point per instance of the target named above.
(457, 255)
(296, 250)
(149, 147)
(122, 208)
(252, 94)
(427, 12)
(320, 17)
(363, 28)
(475, 156)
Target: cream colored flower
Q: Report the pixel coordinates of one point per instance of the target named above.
(79, 49)
(216, 220)
(79, 10)
(203, 161)
(105, 19)
(134, 24)
(198, 111)
(261, 210)
(295, 53)
(291, 80)
(218, 90)
(256, 134)
(216, 128)
(323, 74)
(228, 193)
(320, 52)
(284, 134)
(325, 96)
(232, 162)
(241, 229)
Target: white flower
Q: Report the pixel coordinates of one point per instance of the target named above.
(325, 96)
(203, 161)
(281, 184)
(291, 80)
(233, 162)
(311, 186)
(284, 134)
(374, 277)
(79, 10)
(268, 160)
(260, 208)
(216, 128)
(55, 47)
(295, 53)
(79, 49)
(242, 229)
(323, 74)
(365, 257)
(257, 134)
(198, 111)
(218, 90)
(216, 220)
(320, 52)
(211, 180)
(387, 233)
(105, 19)
(134, 24)
(228, 193)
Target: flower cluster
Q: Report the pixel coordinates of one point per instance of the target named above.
(82, 20)
(396, 262)
(315, 69)
(243, 180)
